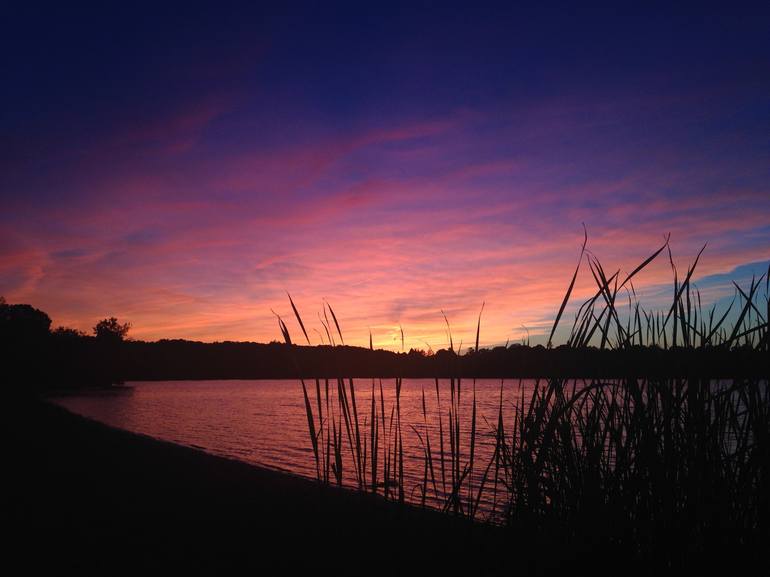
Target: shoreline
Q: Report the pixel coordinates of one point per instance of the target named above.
(105, 499)
(87, 497)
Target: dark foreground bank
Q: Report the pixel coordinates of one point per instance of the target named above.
(89, 498)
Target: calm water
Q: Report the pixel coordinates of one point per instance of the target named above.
(264, 421)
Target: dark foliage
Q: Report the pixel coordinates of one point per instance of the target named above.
(111, 329)
(66, 358)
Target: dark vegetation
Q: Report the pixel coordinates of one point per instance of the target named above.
(666, 465)
(67, 359)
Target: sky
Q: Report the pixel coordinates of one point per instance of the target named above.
(184, 167)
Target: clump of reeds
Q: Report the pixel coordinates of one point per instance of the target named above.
(369, 455)
(634, 460)
(641, 461)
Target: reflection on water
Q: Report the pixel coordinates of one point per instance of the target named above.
(263, 422)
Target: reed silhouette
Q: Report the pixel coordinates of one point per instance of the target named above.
(626, 466)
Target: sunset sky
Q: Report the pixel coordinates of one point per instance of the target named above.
(182, 168)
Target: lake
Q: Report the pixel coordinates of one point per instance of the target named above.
(264, 422)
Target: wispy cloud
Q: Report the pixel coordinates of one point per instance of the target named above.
(191, 233)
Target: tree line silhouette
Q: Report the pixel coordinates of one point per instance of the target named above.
(45, 359)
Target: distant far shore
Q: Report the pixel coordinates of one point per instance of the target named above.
(179, 359)
(87, 362)
(41, 359)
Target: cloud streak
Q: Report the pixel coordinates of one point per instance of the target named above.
(391, 197)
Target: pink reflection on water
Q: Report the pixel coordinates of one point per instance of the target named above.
(263, 422)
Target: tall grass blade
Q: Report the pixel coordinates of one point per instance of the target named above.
(569, 289)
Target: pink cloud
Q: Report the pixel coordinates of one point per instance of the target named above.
(391, 224)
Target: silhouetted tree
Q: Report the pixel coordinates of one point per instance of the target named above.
(111, 329)
(23, 323)
(24, 339)
(67, 333)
